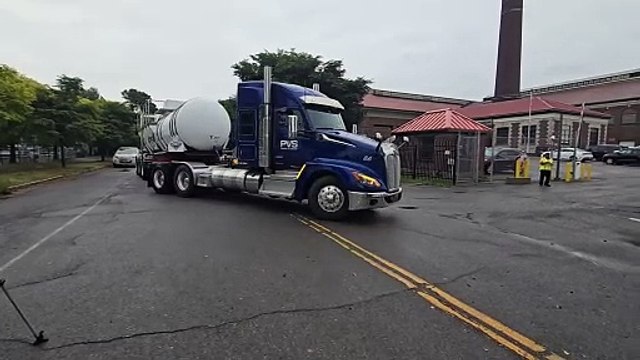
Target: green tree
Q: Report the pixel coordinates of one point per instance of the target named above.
(306, 69)
(91, 94)
(231, 107)
(139, 100)
(65, 116)
(119, 128)
(17, 92)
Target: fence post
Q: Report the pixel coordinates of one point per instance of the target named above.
(415, 161)
(456, 165)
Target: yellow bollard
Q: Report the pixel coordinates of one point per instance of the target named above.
(521, 173)
(523, 168)
(568, 172)
(586, 172)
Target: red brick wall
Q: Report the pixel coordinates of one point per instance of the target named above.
(621, 132)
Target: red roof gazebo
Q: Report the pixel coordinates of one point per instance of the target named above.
(443, 120)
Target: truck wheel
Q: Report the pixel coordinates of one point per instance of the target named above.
(328, 199)
(160, 181)
(184, 183)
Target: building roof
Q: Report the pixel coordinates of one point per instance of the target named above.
(393, 100)
(519, 107)
(605, 88)
(443, 120)
(585, 82)
(594, 94)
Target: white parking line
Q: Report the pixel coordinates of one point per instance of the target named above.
(634, 219)
(53, 233)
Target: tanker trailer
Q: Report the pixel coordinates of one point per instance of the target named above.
(198, 125)
(197, 130)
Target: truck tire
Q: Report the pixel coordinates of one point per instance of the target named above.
(161, 182)
(328, 199)
(183, 181)
(144, 172)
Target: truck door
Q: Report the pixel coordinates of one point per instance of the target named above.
(292, 153)
(247, 136)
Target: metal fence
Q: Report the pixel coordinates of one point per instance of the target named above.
(443, 158)
(34, 155)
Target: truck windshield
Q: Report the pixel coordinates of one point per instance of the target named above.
(325, 118)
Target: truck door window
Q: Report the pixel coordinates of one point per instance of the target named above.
(247, 125)
(301, 123)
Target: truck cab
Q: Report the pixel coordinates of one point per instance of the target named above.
(308, 144)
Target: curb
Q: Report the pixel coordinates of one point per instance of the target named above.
(32, 183)
(42, 181)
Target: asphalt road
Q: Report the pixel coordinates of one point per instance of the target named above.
(115, 271)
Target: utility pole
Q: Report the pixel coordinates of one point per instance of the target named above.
(529, 126)
(558, 148)
(575, 145)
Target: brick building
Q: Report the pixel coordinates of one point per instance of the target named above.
(550, 121)
(384, 110)
(615, 94)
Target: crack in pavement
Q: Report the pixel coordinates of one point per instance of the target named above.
(219, 325)
(461, 276)
(71, 272)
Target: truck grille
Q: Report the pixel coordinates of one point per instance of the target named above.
(392, 164)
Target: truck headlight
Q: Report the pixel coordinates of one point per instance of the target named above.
(366, 180)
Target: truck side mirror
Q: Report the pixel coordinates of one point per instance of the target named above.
(405, 139)
(292, 126)
(378, 136)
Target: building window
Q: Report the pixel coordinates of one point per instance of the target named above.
(502, 136)
(567, 134)
(529, 133)
(629, 116)
(594, 135)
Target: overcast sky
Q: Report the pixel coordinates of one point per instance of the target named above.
(182, 49)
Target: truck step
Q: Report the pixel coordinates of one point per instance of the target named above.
(281, 184)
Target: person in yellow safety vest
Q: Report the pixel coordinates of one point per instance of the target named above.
(546, 165)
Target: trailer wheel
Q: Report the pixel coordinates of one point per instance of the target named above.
(328, 199)
(184, 182)
(160, 181)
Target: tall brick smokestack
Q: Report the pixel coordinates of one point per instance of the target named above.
(509, 50)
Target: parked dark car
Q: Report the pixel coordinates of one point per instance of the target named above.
(501, 159)
(599, 151)
(624, 156)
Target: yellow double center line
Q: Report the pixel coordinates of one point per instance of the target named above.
(501, 333)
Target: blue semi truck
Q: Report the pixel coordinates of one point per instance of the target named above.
(287, 142)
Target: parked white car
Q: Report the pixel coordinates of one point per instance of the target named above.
(125, 156)
(566, 154)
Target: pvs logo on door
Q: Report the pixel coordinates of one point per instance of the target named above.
(288, 144)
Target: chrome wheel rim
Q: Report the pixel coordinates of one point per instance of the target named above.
(609, 161)
(158, 179)
(182, 181)
(330, 199)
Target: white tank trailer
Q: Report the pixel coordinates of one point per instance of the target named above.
(199, 124)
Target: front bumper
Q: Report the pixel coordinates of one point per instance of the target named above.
(364, 201)
(124, 162)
